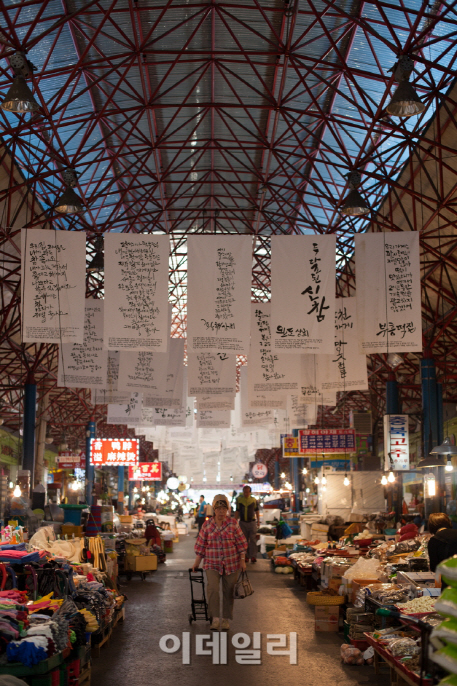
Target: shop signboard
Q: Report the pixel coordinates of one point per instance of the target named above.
(117, 452)
(289, 445)
(396, 442)
(259, 470)
(68, 459)
(146, 471)
(326, 441)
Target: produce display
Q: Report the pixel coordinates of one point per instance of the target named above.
(418, 605)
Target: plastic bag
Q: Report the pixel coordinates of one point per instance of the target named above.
(351, 655)
(403, 646)
(364, 569)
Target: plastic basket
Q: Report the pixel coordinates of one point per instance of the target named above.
(318, 598)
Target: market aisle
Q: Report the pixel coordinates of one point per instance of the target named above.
(161, 606)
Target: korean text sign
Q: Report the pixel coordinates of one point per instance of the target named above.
(114, 451)
(312, 441)
(396, 441)
(146, 471)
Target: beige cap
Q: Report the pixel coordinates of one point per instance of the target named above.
(223, 497)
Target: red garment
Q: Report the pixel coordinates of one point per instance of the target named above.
(152, 534)
(221, 547)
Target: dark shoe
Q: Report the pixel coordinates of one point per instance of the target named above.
(253, 559)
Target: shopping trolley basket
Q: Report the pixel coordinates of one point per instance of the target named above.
(199, 605)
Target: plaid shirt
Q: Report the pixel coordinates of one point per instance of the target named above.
(221, 548)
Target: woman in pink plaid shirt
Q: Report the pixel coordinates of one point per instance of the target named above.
(222, 545)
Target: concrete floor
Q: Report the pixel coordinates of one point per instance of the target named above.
(161, 605)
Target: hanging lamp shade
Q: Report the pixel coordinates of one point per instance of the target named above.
(19, 97)
(445, 448)
(438, 455)
(430, 461)
(69, 202)
(354, 205)
(394, 360)
(97, 263)
(405, 101)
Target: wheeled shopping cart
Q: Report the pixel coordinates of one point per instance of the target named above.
(199, 605)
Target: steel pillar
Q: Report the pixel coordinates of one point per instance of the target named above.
(277, 473)
(90, 469)
(120, 489)
(392, 402)
(432, 406)
(28, 431)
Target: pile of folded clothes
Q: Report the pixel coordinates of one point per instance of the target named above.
(43, 638)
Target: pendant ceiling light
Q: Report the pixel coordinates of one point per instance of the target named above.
(354, 205)
(19, 97)
(70, 202)
(97, 263)
(405, 101)
(394, 360)
(384, 480)
(439, 455)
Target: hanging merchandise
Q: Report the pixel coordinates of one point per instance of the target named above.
(53, 286)
(388, 292)
(303, 272)
(83, 365)
(219, 293)
(136, 292)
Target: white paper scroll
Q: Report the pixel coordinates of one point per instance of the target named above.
(271, 374)
(215, 402)
(83, 365)
(346, 369)
(143, 371)
(248, 416)
(300, 414)
(129, 414)
(110, 394)
(311, 390)
(211, 373)
(170, 416)
(136, 292)
(303, 270)
(53, 286)
(388, 292)
(172, 397)
(217, 419)
(219, 293)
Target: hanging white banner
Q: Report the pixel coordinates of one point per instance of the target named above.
(143, 371)
(217, 419)
(174, 381)
(248, 416)
(346, 369)
(211, 373)
(388, 292)
(215, 402)
(110, 394)
(129, 414)
(303, 273)
(169, 416)
(84, 365)
(219, 293)
(300, 414)
(136, 292)
(270, 373)
(311, 391)
(53, 286)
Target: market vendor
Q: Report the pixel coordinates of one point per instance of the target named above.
(152, 534)
(443, 543)
(222, 545)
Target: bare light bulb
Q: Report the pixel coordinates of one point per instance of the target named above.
(305, 471)
(316, 480)
(324, 480)
(384, 480)
(431, 487)
(449, 467)
(135, 490)
(282, 475)
(346, 481)
(391, 477)
(17, 491)
(324, 488)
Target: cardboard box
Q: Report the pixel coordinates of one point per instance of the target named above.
(326, 617)
(141, 563)
(126, 519)
(70, 529)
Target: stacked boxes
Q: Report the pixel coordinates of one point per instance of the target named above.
(326, 617)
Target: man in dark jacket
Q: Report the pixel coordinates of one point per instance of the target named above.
(247, 511)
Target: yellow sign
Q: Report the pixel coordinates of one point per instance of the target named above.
(290, 446)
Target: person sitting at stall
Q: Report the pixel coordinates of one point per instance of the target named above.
(443, 543)
(151, 534)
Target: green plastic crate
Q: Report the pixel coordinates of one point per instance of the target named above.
(20, 670)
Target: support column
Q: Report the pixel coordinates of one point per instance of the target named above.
(277, 472)
(296, 478)
(28, 434)
(431, 435)
(90, 469)
(131, 487)
(41, 443)
(393, 407)
(120, 489)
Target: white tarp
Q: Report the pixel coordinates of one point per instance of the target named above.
(271, 374)
(388, 292)
(346, 369)
(136, 292)
(84, 365)
(53, 285)
(219, 276)
(143, 371)
(211, 373)
(128, 413)
(174, 383)
(303, 270)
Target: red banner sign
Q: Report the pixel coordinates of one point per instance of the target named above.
(67, 459)
(114, 451)
(146, 471)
